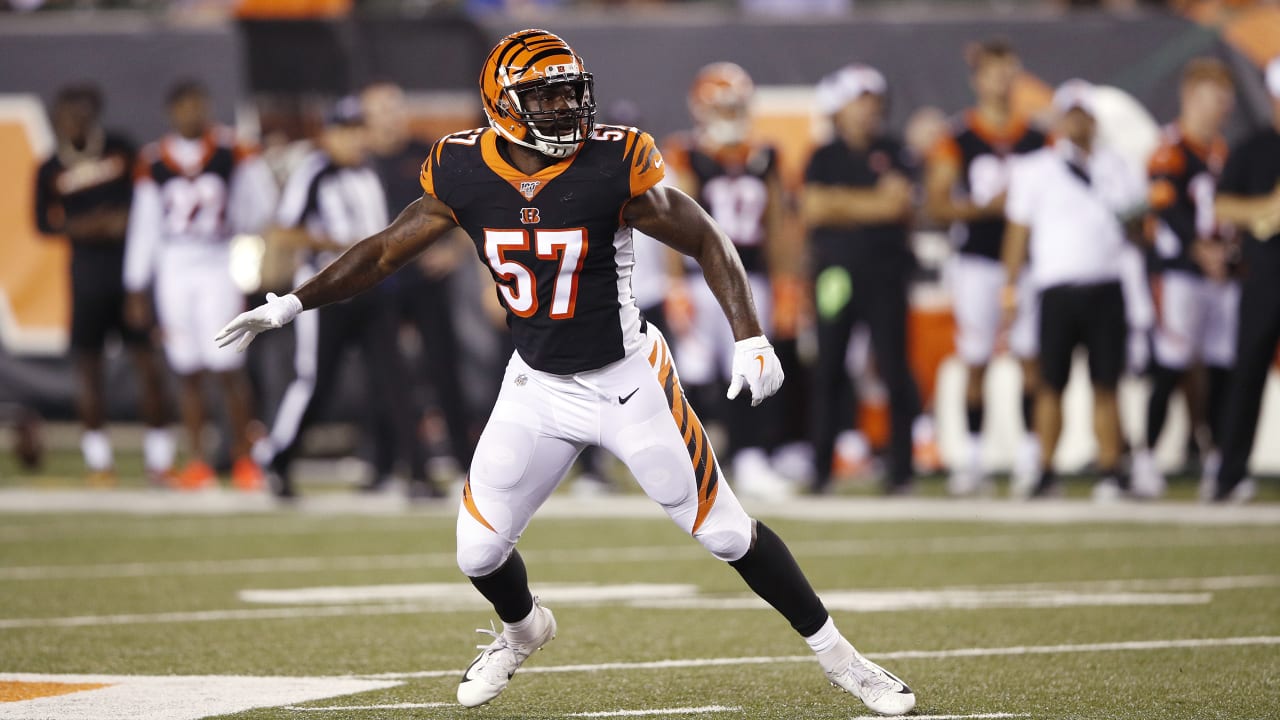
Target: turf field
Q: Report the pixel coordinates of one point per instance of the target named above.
(342, 609)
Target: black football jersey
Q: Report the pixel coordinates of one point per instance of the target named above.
(1183, 177)
(554, 241)
(70, 185)
(733, 187)
(982, 154)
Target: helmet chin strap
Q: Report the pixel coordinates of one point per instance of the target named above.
(558, 151)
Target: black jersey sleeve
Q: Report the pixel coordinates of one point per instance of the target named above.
(47, 204)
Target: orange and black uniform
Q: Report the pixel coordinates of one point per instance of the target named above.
(66, 189)
(1183, 175)
(554, 241)
(981, 153)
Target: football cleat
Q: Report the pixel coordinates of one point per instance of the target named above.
(880, 690)
(491, 671)
(197, 475)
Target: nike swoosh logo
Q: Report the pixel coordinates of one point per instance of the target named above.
(761, 359)
(623, 400)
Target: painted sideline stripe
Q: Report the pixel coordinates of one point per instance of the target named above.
(841, 509)
(705, 709)
(1048, 542)
(395, 706)
(979, 716)
(897, 655)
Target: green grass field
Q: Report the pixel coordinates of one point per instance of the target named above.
(1061, 619)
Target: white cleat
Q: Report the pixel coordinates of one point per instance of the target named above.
(491, 671)
(1146, 480)
(880, 690)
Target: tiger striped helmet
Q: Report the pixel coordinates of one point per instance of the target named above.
(536, 93)
(720, 102)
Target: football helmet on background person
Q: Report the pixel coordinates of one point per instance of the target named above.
(720, 102)
(537, 94)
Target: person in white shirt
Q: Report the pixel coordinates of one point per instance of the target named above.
(195, 189)
(1068, 208)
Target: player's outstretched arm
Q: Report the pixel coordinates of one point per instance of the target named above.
(362, 266)
(677, 220)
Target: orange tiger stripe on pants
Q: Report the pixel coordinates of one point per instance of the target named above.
(706, 470)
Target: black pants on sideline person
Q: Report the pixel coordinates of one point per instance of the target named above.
(1256, 341)
(365, 322)
(876, 296)
(427, 303)
(1089, 315)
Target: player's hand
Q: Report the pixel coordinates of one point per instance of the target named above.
(756, 366)
(276, 312)
(896, 190)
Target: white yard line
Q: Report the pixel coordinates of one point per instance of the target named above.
(688, 551)
(704, 710)
(393, 706)
(861, 509)
(979, 716)
(896, 655)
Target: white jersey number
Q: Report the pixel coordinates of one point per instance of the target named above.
(738, 204)
(194, 207)
(568, 247)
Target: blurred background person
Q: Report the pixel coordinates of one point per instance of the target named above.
(333, 199)
(1249, 198)
(736, 180)
(422, 290)
(1199, 298)
(195, 189)
(857, 203)
(1067, 208)
(83, 191)
(965, 185)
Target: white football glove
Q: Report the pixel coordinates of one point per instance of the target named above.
(276, 312)
(756, 365)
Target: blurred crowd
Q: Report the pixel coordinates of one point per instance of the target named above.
(1059, 243)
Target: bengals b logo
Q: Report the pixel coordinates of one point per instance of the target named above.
(529, 216)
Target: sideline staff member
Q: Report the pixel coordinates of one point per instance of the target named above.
(1249, 198)
(857, 201)
(1065, 202)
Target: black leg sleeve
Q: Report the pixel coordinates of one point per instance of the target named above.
(1163, 382)
(507, 588)
(773, 574)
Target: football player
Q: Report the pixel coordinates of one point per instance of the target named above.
(194, 189)
(965, 185)
(83, 192)
(1199, 298)
(550, 199)
(737, 182)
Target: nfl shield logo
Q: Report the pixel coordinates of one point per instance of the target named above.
(529, 187)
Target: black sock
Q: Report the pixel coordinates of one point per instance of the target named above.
(1218, 379)
(974, 413)
(773, 574)
(1163, 382)
(1029, 411)
(507, 588)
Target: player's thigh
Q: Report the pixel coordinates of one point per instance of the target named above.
(177, 300)
(222, 301)
(1023, 336)
(91, 318)
(658, 435)
(1180, 325)
(1222, 321)
(519, 460)
(1057, 335)
(975, 290)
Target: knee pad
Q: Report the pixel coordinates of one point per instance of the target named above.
(480, 559)
(725, 542)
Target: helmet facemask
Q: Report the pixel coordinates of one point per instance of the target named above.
(565, 114)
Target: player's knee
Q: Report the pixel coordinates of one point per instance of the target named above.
(727, 544)
(480, 559)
